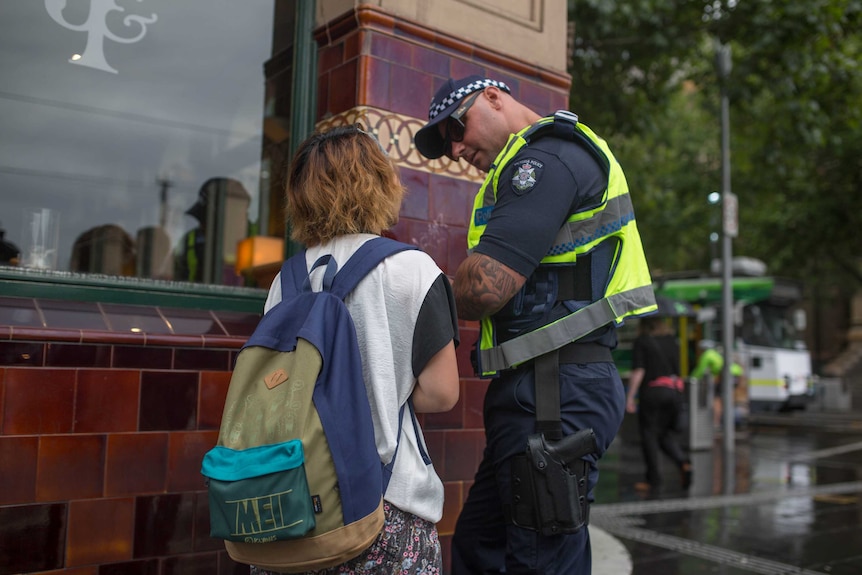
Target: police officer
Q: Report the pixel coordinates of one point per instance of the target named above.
(554, 263)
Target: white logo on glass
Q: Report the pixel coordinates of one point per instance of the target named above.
(96, 27)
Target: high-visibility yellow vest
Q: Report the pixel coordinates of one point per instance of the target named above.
(629, 289)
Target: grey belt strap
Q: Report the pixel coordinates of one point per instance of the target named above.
(566, 330)
(546, 368)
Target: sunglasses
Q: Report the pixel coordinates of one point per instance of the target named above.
(455, 127)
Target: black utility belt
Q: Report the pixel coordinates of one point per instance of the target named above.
(577, 352)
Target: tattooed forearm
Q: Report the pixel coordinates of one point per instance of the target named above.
(483, 286)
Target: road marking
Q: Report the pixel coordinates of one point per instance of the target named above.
(622, 520)
(739, 561)
(820, 453)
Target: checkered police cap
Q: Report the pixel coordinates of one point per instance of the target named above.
(428, 140)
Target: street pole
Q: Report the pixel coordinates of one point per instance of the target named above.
(729, 209)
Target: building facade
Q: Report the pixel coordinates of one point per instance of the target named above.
(144, 147)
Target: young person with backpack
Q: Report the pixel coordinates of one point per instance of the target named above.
(343, 191)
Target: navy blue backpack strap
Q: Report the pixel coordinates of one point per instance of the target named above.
(293, 275)
(363, 261)
(387, 468)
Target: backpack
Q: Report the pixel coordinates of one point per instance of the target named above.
(295, 481)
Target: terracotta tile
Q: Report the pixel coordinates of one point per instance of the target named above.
(107, 400)
(91, 570)
(2, 395)
(435, 443)
(352, 46)
(38, 400)
(136, 463)
(199, 564)
(70, 467)
(452, 419)
(168, 400)
(135, 318)
(376, 84)
(409, 90)
(342, 87)
(473, 397)
(32, 537)
(399, 231)
(18, 479)
(415, 204)
(559, 101)
(213, 391)
(450, 202)
(22, 353)
(446, 549)
(201, 359)
(322, 94)
(469, 334)
(457, 249)
(142, 357)
(538, 98)
(239, 324)
(459, 68)
(19, 312)
(74, 355)
(142, 567)
(463, 452)
(175, 340)
(73, 314)
(100, 531)
(185, 453)
(330, 57)
(152, 514)
(227, 566)
(451, 507)
(430, 237)
(390, 48)
(202, 539)
(434, 64)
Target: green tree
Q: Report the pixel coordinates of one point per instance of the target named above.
(643, 75)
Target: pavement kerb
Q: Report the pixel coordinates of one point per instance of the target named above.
(610, 557)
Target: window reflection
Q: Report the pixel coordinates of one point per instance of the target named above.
(147, 147)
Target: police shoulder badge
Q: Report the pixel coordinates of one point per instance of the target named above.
(526, 175)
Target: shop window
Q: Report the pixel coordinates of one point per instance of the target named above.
(133, 135)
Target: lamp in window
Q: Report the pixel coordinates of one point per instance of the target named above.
(258, 252)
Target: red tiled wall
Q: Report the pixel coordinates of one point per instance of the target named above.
(101, 442)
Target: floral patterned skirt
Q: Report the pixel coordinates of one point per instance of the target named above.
(408, 545)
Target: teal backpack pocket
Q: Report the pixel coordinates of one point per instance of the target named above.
(260, 494)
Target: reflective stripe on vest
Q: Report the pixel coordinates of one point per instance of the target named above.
(629, 291)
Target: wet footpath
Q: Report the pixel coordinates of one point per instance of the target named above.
(789, 501)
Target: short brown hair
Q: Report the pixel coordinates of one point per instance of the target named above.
(341, 182)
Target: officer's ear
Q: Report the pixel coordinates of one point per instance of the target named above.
(494, 95)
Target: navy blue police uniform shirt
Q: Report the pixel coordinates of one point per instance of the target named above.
(545, 182)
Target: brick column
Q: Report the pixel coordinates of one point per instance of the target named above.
(380, 66)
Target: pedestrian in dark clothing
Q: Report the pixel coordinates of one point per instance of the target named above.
(656, 382)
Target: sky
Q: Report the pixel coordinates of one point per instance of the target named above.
(185, 104)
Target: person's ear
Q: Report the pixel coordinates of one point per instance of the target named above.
(494, 97)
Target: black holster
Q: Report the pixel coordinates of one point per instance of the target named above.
(549, 484)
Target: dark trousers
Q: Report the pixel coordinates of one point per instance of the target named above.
(591, 395)
(657, 414)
